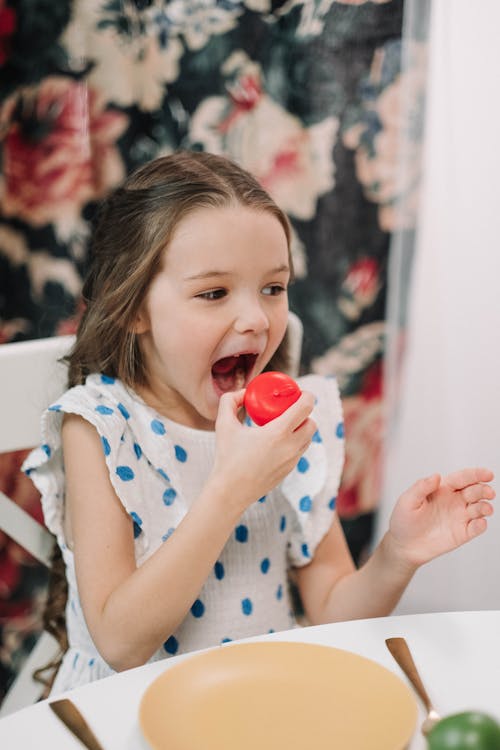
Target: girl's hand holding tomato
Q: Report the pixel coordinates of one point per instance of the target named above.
(253, 461)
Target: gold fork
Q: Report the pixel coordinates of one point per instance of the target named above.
(402, 654)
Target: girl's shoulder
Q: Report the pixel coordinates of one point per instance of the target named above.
(97, 390)
(320, 383)
(134, 444)
(102, 400)
(326, 390)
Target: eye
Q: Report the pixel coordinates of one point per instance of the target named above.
(213, 294)
(273, 290)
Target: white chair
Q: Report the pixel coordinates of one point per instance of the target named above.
(30, 378)
(295, 337)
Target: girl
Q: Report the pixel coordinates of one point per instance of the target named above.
(179, 522)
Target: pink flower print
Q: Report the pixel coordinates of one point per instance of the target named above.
(7, 29)
(59, 152)
(360, 287)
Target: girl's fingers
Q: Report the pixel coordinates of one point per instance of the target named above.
(464, 477)
(476, 527)
(229, 404)
(305, 433)
(296, 415)
(479, 510)
(421, 489)
(476, 492)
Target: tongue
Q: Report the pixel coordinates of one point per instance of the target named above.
(224, 365)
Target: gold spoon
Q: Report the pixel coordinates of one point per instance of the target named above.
(401, 653)
(67, 712)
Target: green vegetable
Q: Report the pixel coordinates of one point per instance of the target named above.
(470, 730)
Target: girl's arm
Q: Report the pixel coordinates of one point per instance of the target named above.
(433, 517)
(131, 611)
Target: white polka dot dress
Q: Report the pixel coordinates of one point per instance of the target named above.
(157, 468)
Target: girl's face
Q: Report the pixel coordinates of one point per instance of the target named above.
(216, 312)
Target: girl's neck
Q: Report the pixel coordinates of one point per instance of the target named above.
(177, 411)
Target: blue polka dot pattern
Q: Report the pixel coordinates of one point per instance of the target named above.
(107, 379)
(55, 407)
(158, 427)
(123, 411)
(149, 455)
(180, 454)
(104, 409)
(125, 473)
(198, 608)
(169, 496)
(303, 465)
(137, 524)
(46, 449)
(340, 430)
(241, 533)
(171, 645)
(105, 446)
(305, 504)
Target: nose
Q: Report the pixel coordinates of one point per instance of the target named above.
(251, 317)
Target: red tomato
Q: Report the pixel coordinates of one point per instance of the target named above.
(269, 395)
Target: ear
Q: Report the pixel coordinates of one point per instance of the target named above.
(141, 323)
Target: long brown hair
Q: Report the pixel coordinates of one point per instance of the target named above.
(134, 226)
(132, 229)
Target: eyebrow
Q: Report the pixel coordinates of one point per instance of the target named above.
(215, 274)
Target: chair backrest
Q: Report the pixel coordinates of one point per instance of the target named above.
(295, 336)
(30, 378)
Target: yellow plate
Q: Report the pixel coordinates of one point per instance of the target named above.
(274, 695)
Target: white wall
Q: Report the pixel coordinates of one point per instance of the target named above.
(450, 408)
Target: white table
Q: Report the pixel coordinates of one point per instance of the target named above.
(458, 656)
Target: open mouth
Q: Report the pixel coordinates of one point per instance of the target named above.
(232, 373)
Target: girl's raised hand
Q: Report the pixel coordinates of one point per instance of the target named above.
(436, 515)
(253, 460)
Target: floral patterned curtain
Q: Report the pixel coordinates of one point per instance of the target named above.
(303, 93)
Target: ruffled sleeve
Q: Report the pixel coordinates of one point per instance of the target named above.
(45, 465)
(311, 488)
